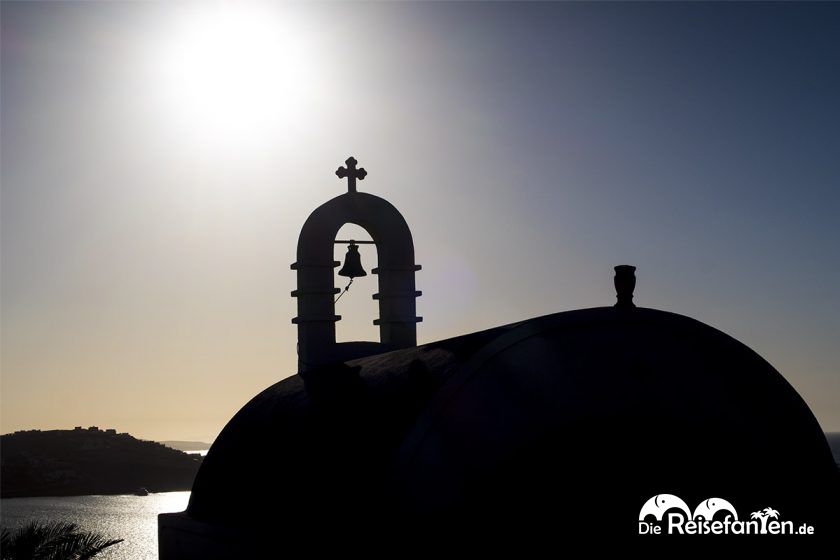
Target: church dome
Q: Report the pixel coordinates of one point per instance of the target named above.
(578, 423)
(582, 414)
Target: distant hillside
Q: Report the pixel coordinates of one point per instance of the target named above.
(89, 461)
(187, 445)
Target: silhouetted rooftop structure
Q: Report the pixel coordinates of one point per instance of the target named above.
(546, 429)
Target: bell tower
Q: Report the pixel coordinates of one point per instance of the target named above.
(316, 291)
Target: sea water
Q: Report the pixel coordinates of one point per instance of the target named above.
(132, 518)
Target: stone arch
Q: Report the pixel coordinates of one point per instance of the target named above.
(316, 281)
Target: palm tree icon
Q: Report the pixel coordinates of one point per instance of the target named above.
(764, 515)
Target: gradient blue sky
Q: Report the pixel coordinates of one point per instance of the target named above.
(159, 159)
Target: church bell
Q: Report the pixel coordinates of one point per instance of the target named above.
(352, 263)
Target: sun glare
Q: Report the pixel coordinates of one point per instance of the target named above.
(234, 74)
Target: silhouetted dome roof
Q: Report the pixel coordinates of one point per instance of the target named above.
(590, 409)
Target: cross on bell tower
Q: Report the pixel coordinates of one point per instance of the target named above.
(351, 173)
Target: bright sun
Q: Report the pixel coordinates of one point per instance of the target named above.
(232, 73)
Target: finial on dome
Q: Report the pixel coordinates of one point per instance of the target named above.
(625, 283)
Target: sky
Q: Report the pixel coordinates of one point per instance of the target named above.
(160, 158)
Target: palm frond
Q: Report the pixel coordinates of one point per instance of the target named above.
(79, 546)
(52, 541)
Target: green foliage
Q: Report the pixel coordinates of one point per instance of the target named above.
(51, 541)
